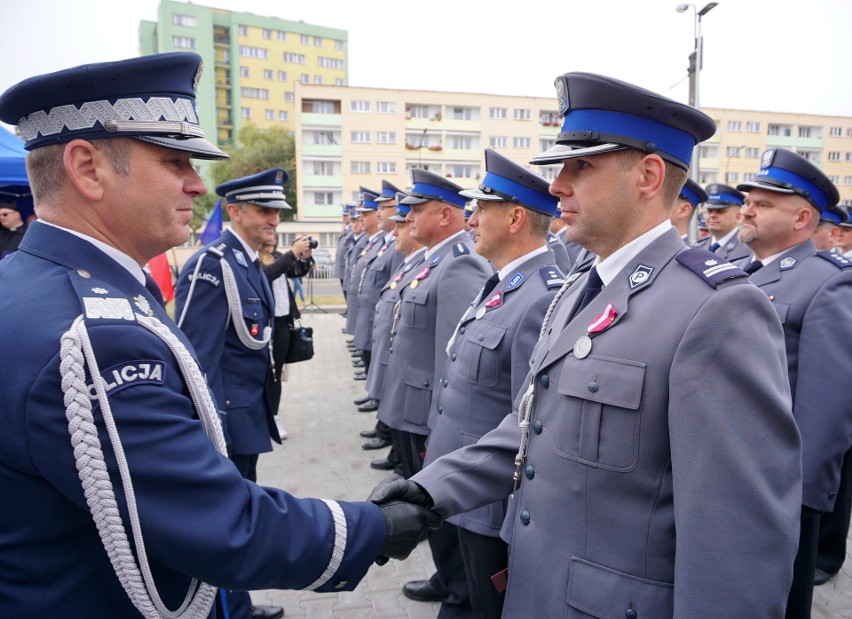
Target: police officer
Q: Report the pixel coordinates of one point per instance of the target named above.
(12, 228)
(812, 292)
(722, 212)
(109, 428)
(690, 197)
(572, 250)
(844, 244)
(490, 351)
(358, 239)
(342, 246)
(368, 208)
(828, 230)
(427, 312)
(658, 472)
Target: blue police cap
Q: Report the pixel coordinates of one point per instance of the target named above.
(847, 216)
(721, 196)
(602, 114)
(402, 210)
(367, 200)
(389, 191)
(151, 98)
(506, 181)
(702, 222)
(264, 189)
(354, 214)
(344, 210)
(469, 208)
(431, 186)
(693, 193)
(784, 171)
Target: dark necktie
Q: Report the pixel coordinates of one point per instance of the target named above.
(594, 285)
(489, 286)
(154, 289)
(753, 266)
(714, 246)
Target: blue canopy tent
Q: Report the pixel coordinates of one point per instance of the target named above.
(14, 185)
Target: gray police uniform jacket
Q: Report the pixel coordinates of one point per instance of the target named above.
(430, 307)
(376, 275)
(663, 471)
(732, 251)
(812, 293)
(488, 362)
(340, 252)
(357, 244)
(560, 252)
(383, 323)
(585, 260)
(356, 283)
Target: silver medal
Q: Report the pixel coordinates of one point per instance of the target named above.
(582, 347)
(480, 313)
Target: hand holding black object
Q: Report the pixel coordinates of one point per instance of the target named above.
(402, 490)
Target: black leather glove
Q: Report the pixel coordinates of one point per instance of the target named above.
(406, 525)
(401, 490)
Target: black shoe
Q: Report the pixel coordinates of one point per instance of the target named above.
(360, 376)
(356, 354)
(358, 364)
(382, 464)
(422, 591)
(266, 612)
(821, 577)
(376, 443)
(361, 401)
(367, 434)
(369, 406)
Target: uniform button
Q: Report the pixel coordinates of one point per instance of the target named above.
(462, 330)
(453, 357)
(544, 380)
(445, 382)
(537, 427)
(426, 384)
(530, 472)
(481, 337)
(440, 410)
(630, 614)
(525, 517)
(594, 386)
(227, 402)
(340, 584)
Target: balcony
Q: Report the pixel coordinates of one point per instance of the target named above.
(320, 120)
(321, 150)
(323, 182)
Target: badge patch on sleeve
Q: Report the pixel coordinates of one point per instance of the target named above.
(129, 374)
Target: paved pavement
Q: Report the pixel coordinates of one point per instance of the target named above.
(322, 457)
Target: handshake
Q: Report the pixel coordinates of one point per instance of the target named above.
(408, 514)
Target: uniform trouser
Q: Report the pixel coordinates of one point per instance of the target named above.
(411, 449)
(280, 342)
(834, 526)
(483, 557)
(367, 356)
(449, 576)
(802, 591)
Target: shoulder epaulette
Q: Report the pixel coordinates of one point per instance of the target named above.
(460, 249)
(218, 249)
(552, 276)
(841, 262)
(712, 269)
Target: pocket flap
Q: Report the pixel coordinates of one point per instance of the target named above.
(781, 308)
(603, 592)
(418, 377)
(237, 398)
(616, 382)
(417, 295)
(487, 335)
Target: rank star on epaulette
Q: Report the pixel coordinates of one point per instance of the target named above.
(460, 249)
(711, 262)
(142, 303)
(99, 290)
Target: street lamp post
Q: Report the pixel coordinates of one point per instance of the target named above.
(696, 62)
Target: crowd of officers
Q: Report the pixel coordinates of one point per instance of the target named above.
(605, 421)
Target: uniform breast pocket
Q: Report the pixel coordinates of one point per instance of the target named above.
(781, 308)
(255, 317)
(598, 591)
(414, 313)
(479, 356)
(598, 413)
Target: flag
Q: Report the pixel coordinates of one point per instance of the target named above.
(213, 227)
(161, 272)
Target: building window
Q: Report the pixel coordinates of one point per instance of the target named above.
(183, 42)
(244, 72)
(847, 180)
(183, 20)
(461, 113)
(254, 93)
(329, 63)
(735, 125)
(545, 143)
(359, 106)
(360, 137)
(386, 107)
(549, 118)
(360, 167)
(836, 132)
(282, 36)
(339, 45)
(305, 78)
(243, 30)
(733, 151)
(267, 33)
(282, 76)
(549, 172)
(322, 107)
(753, 126)
(808, 132)
(323, 168)
(324, 137)
(338, 81)
(834, 178)
(709, 151)
(294, 58)
(245, 112)
(323, 197)
(304, 39)
(752, 153)
(519, 142)
(317, 41)
(833, 155)
(522, 113)
(386, 167)
(732, 177)
(497, 141)
(386, 137)
(254, 52)
(848, 157)
(267, 74)
(288, 97)
(849, 132)
(497, 112)
(461, 142)
(462, 170)
(418, 111)
(784, 131)
(270, 114)
(749, 176)
(283, 115)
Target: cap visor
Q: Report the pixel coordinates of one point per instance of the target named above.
(561, 152)
(199, 147)
(713, 206)
(364, 209)
(396, 218)
(766, 186)
(476, 194)
(414, 200)
(382, 199)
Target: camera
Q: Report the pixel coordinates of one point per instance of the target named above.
(312, 242)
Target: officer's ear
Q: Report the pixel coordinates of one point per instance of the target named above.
(652, 174)
(84, 167)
